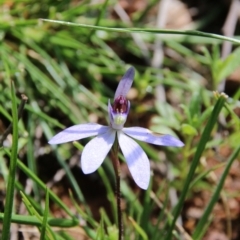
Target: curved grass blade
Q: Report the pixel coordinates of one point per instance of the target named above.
(148, 30)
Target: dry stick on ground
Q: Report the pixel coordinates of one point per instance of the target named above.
(178, 227)
(24, 99)
(136, 37)
(228, 30)
(158, 54)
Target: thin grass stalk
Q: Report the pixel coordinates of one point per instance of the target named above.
(145, 215)
(198, 232)
(201, 146)
(148, 30)
(45, 216)
(116, 165)
(30, 155)
(20, 111)
(33, 221)
(12, 169)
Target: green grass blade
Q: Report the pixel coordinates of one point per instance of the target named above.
(208, 211)
(110, 192)
(50, 234)
(45, 216)
(31, 175)
(30, 155)
(146, 212)
(205, 173)
(227, 66)
(201, 146)
(105, 217)
(139, 230)
(148, 30)
(12, 169)
(33, 221)
(161, 218)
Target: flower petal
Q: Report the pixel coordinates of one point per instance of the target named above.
(96, 151)
(77, 132)
(148, 136)
(137, 160)
(125, 83)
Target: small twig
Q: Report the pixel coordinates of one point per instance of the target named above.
(136, 37)
(179, 228)
(161, 22)
(158, 55)
(24, 99)
(228, 30)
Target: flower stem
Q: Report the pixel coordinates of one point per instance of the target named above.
(116, 165)
(118, 195)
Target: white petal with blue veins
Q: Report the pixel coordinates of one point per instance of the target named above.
(148, 136)
(78, 132)
(96, 151)
(137, 160)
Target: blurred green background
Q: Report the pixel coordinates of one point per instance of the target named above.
(68, 74)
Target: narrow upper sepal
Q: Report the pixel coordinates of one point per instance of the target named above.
(137, 160)
(125, 83)
(78, 132)
(148, 136)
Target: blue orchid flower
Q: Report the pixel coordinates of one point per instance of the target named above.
(97, 149)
